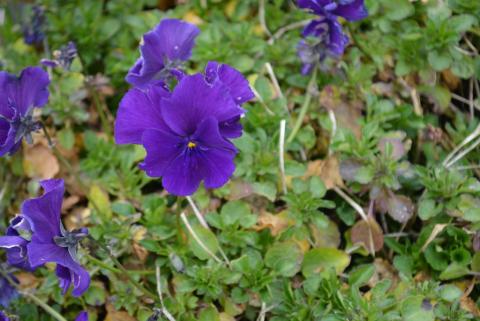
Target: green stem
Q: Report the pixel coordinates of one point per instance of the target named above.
(32, 297)
(105, 266)
(306, 104)
(101, 112)
(123, 270)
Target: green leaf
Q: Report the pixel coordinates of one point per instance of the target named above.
(454, 271)
(428, 209)
(462, 23)
(207, 238)
(397, 10)
(450, 293)
(284, 258)
(209, 314)
(100, 201)
(464, 67)
(323, 259)
(414, 309)
(267, 189)
(66, 137)
(404, 264)
(361, 275)
(439, 60)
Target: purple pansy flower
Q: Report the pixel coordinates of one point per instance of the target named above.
(50, 241)
(3, 316)
(8, 292)
(238, 89)
(19, 233)
(18, 97)
(82, 316)
(352, 10)
(163, 50)
(181, 132)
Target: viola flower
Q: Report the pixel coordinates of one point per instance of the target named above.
(82, 316)
(351, 10)
(33, 32)
(18, 97)
(8, 292)
(237, 87)
(50, 242)
(163, 50)
(63, 57)
(19, 234)
(181, 133)
(3, 316)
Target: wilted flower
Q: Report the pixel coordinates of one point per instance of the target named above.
(182, 131)
(163, 50)
(18, 97)
(3, 316)
(8, 292)
(45, 239)
(33, 32)
(82, 316)
(63, 57)
(325, 35)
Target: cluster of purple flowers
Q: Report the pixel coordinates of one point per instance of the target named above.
(37, 236)
(186, 130)
(324, 36)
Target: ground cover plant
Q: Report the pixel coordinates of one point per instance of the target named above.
(240, 160)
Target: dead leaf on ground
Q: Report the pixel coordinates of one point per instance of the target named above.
(383, 270)
(450, 79)
(239, 189)
(368, 234)
(27, 280)
(328, 170)
(329, 236)
(276, 223)
(400, 208)
(114, 315)
(77, 218)
(39, 162)
(468, 304)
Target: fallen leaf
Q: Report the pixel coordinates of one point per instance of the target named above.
(328, 236)
(468, 304)
(437, 229)
(39, 162)
(77, 218)
(450, 79)
(328, 170)
(383, 270)
(400, 207)
(276, 223)
(27, 280)
(114, 315)
(368, 234)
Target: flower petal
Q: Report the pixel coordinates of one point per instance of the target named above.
(44, 211)
(353, 11)
(16, 248)
(139, 111)
(82, 316)
(193, 100)
(162, 148)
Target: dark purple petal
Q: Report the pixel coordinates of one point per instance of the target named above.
(44, 211)
(3, 316)
(82, 316)
(317, 6)
(231, 128)
(7, 137)
(16, 248)
(8, 291)
(193, 100)
(163, 48)
(139, 111)
(215, 154)
(29, 90)
(337, 39)
(237, 85)
(183, 176)
(162, 147)
(352, 11)
(41, 253)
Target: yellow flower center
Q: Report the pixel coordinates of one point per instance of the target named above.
(191, 145)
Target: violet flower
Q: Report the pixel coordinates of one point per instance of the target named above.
(181, 131)
(82, 316)
(41, 238)
(63, 57)
(18, 97)
(33, 32)
(324, 36)
(3, 316)
(19, 234)
(163, 50)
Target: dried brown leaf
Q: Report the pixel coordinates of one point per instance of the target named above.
(276, 223)
(368, 234)
(39, 162)
(328, 170)
(114, 315)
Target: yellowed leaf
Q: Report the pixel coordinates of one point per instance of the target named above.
(39, 162)
(328, 170)
(114, 315)
(276, 223)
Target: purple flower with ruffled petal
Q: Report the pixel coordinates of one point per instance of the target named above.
(50, 242)
(82, 316)
(3, 316)
(163, 50)
(351, 10)
(18, 97)
(63, 57)
(19, 233)
(238, 89)
(8, 292)
(181, 132)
